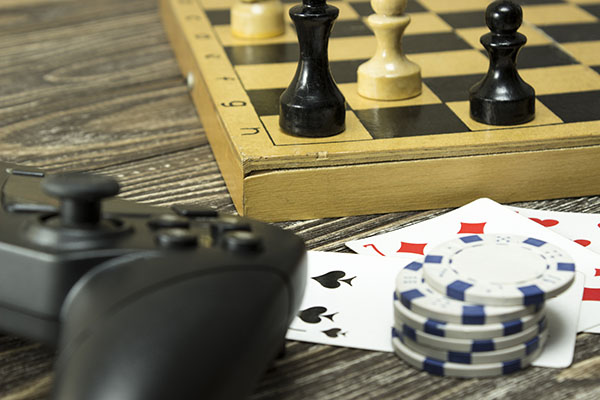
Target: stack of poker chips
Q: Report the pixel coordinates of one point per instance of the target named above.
(474, 306)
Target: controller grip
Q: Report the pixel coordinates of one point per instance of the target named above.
(210, 335)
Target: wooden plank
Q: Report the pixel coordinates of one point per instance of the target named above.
(423, 184)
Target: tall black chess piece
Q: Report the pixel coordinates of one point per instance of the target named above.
(502, 97)
(313, 106)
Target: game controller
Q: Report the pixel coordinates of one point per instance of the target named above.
(142, 302)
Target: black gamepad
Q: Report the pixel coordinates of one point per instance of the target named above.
(142, 302)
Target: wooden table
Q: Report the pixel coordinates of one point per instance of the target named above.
(92, 85)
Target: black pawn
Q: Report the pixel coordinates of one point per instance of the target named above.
(502, 97)
(313, 106)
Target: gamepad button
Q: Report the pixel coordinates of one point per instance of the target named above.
(168, 221)
(241, 241)
(176, 238)
(229, 223)
(194, 211)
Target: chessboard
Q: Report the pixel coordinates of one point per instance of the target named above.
(420, 153)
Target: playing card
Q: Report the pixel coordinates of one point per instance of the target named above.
(582, 228)
(487, 216)
(348, 301)
(562, 314)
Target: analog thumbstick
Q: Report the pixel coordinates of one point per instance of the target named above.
(80, 196)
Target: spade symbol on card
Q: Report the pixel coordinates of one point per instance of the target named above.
(313, 315)
(334, 332)
(331, 280)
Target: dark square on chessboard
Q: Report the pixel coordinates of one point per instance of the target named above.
(573, 32)
(452, 88)
(574, 107)
(543, 56)
(393, 122)
(468, 19)
(263, 53)
(592, 9)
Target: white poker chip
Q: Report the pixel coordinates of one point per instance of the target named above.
(447, 368)
(499, 270)
(418, 296)
(444, 329)
(510, 353)
(470, 345)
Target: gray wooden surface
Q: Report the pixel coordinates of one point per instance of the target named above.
(92, 85)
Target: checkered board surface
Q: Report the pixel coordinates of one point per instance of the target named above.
(244, 79)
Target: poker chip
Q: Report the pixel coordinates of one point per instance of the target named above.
(470, 345)
(498, 270)
(448, 368)
(510, 353)
(444, 329)
(418, 296)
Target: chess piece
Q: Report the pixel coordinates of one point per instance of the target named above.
(502, 97)
(257, 19)
(312, 105)
(389, 75)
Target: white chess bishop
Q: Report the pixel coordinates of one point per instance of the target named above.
(257, 19)
(389, 75)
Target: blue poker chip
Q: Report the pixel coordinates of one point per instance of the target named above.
(499, 270)
(510, 353)
(416, 295)
(470, 345)
(448, 368)
(451, 330)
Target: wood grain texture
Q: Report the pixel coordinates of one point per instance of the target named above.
(93, 85)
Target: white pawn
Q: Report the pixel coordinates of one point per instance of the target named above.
(257, 19)
(389, 75)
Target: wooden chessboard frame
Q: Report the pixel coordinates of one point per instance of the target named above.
(341, 176)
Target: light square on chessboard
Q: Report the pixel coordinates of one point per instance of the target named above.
(586, 52)
(363, 7)
(584, 1)
(448, 63)
(556, 14)
(227, 39)
(534, 35)
(543, 116)
(357, 102)
(355, 131)
(563, 79)
(216, 4)
(426, 22)
(442, 6)
(266, 76)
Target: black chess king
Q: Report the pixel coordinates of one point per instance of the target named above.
(312, 105)
(502, 97)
